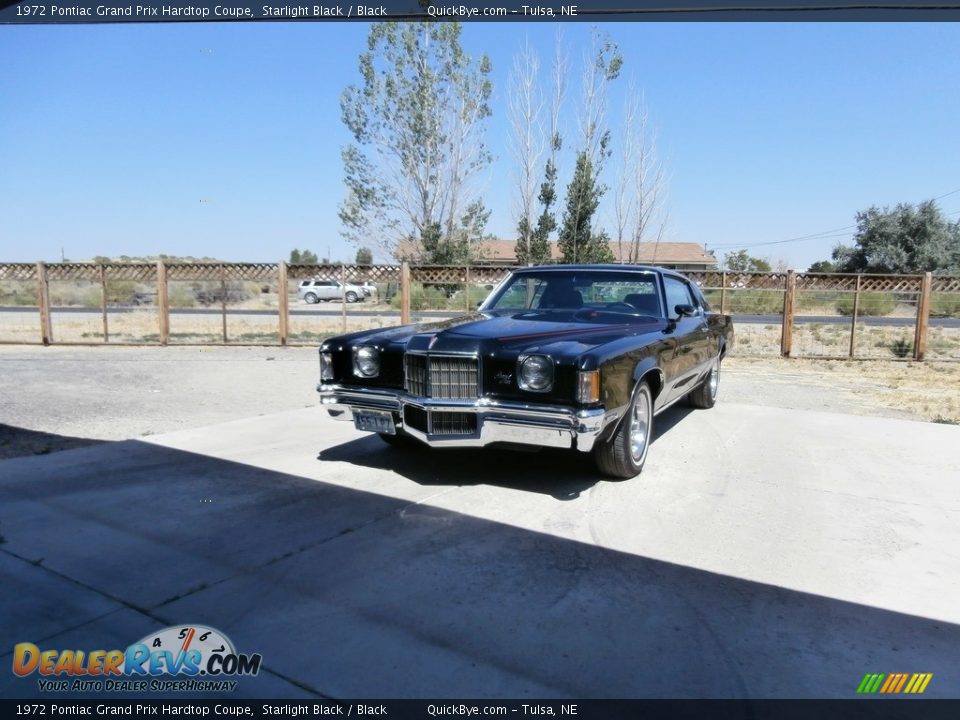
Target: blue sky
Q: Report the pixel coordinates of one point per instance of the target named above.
(223, 139)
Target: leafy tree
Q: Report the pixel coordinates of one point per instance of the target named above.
(302, 257)
(417, 121)
(905, 239)
(364, 256)
(578, 242)
(540, 249)
(822, 266)
(460, 247)
(742, 261)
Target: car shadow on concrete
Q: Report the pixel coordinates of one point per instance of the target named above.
(347, 593)
(19, 442)
(562, 474)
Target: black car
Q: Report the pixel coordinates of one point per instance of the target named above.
(571, 356)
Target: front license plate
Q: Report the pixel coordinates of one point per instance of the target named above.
(372, 421)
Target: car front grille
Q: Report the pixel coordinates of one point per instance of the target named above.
(434, 422)
(442, 377)
(453, 423)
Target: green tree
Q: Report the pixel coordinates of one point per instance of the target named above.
(418, 122)
(578, 242)
(540, 249)
(905, 239)
(302, 257)
(364, 256)
(742, 261)
(822, 266)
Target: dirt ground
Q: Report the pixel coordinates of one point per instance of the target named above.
(56, 398)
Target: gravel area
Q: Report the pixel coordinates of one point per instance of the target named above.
(60, 397)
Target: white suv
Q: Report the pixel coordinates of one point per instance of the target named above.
(313, 291)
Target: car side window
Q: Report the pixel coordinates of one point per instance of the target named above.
(677, 294)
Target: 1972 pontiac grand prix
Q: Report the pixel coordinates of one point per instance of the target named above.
(570, 356)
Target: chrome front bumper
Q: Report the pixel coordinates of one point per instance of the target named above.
(496, 421)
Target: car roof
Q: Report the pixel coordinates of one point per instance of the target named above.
(603, 267)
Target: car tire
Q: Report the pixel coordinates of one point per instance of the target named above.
(704, 396)
(351, 297)
(311, 298)
(623, 455)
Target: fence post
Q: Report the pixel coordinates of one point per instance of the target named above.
(223, 300)
(103, 303)
(343, 298)
(786, 338)
(404, 293)
(163, 303)
(43, 302)
(923, 318)
(723, 293)
(853, 320)
(283, 302)
(466, 290)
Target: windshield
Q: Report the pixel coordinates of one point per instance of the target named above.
(632, 293)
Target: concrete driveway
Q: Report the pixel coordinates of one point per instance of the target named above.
(762, 553)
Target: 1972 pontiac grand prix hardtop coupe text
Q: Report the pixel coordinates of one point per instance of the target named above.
(570, 356)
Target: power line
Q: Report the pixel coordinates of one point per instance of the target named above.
(825, 235)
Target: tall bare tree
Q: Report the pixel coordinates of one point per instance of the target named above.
(417, 121)
(527, 140)
(639, 199)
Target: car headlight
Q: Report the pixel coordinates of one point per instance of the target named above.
(326, 366)
(366, 361)
(535, 373)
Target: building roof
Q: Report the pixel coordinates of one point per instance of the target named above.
(664, 253)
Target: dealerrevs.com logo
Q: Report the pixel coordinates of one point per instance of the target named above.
(180, 658)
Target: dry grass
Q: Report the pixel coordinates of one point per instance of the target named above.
(926, 391)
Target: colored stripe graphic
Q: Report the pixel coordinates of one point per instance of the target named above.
(870, 683)
(894, 683)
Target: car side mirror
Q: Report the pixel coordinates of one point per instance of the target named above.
(685, 310)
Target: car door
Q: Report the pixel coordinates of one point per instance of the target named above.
(328, 290)
(690, 339)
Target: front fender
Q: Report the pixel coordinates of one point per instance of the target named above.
(645, 366)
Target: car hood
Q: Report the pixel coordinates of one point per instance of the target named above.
(567, 330)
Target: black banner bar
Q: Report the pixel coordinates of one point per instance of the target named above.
(854, 709)
(140, 11)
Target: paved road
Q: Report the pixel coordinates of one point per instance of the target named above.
(763, 553)
(359, 310)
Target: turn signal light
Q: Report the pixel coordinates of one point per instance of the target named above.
(588, 386)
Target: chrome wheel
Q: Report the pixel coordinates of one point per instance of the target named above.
(713, 382)
(640, 427)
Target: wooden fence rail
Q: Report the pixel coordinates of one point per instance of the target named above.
(772, 294)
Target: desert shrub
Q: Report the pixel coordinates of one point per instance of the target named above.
(476, 294)
(74, 294)
(213, 293)
(901, 348)
(423, 297)
(871, 303)
(753, 302)
(123, 292)
(815, 299)
(179, 296)
(945, 305)
(18, 292)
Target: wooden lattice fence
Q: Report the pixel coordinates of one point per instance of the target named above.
(143, 290)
